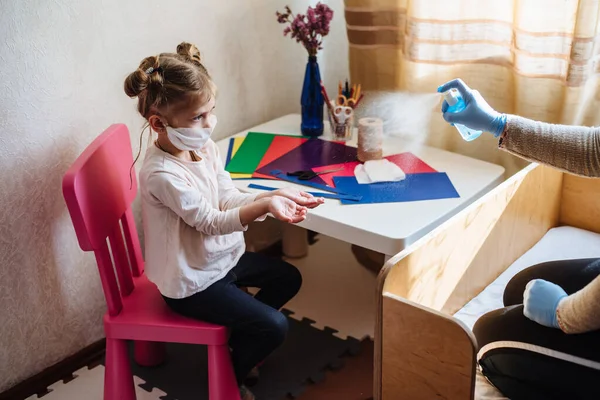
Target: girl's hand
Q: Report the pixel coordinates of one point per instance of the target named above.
(299, 197)
(286, 210)
(540, 301)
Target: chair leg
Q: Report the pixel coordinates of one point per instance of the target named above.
(118, 379)
(149, 354)
(221, 378)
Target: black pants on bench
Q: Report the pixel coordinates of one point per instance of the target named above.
(528, 361)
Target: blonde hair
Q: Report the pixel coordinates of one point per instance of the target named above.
(168, 79)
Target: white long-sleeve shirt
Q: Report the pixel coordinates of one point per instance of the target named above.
(192, 228)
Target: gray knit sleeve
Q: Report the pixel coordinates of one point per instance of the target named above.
(576, 150)
(573, 149)
(580, 312)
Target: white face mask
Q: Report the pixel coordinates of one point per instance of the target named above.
(191, 138)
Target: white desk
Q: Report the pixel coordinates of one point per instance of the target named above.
(390, 227)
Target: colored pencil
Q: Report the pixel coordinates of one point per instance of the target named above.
(357, 93)
(329, 106)
(358, 101)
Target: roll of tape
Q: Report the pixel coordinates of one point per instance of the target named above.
(370, 139)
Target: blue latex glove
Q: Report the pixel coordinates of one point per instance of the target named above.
(477, 114)
(540, 301)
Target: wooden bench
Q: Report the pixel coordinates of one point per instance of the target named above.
(421, 350)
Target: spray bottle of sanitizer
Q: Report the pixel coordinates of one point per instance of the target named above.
(457, 104)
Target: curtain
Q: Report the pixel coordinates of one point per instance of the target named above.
(534, 58)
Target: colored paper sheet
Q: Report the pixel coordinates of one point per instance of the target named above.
(248, 156)
(408, 162)
(311, 154)
(293, 179)
(416, 187)
(234, 145)
(281, 144)
(229, 150)
(316, 194)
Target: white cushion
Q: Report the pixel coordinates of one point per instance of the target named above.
(562, 243)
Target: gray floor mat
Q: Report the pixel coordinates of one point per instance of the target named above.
(303, 357)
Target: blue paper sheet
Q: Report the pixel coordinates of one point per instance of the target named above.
(316, 194)
(229, 150)
(416, 187)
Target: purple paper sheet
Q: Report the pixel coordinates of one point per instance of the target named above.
(314, 153)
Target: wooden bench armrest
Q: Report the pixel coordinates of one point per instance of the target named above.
(428, 354)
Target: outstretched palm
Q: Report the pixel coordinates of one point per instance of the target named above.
(300, 197)
(287, 210)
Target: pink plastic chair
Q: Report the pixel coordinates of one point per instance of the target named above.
(99, 197)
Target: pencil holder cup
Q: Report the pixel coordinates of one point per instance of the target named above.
(341, 126)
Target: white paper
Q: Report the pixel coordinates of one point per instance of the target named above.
(361, 175)
(374, 171)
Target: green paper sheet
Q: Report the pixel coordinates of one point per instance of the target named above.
(248, 156)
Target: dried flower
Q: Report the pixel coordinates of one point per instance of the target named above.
(309, 29)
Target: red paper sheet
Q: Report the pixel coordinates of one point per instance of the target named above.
(408, 162)
(279, 146)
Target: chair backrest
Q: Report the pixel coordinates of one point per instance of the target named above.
(99, 193)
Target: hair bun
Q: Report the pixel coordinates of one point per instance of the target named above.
(139, 80)
(190, 52)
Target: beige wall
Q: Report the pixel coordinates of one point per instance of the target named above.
(62, 65)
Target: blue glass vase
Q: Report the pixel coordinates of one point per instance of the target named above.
(312, 100)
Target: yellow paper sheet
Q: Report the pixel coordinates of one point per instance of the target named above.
(237, 142)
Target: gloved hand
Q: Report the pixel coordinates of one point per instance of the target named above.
(477, 115)
(540, 301)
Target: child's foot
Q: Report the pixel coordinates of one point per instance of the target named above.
(245, 394)
(252, 378)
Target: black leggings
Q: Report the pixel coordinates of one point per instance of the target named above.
(528, 361)
(257, 326)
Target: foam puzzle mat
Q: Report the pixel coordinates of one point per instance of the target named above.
(303, 359)
(337, 291)
(88, 384)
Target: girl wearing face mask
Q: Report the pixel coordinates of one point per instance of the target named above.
(194, 217)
